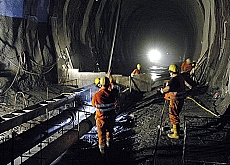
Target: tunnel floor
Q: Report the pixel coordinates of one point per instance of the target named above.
(136, 135)
(138, 141)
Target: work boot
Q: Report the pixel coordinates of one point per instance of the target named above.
(174, 135)
(178, 130)
(102, 149)
(108, 143)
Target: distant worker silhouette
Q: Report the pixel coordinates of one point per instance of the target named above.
(136, 70)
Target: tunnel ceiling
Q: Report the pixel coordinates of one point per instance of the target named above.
(38, 37)
(171, 26)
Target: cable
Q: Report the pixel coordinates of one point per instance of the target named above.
(16, 75)
(188, 97)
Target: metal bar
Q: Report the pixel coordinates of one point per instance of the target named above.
(36, 110)
(30, 138)
(114, 37)
(51, 152)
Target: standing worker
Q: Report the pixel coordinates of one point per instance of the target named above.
(105, 102)
(174, 88)
(137, 70)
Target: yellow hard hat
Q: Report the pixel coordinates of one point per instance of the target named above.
(104, 81)
(96, 81)
(138, 65)
(173, 68)
(188, 60)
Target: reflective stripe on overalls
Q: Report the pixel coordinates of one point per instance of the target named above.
(105, 107)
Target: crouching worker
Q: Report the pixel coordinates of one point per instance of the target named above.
(175, 86)
(105, 102)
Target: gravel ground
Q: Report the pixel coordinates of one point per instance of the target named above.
(137, 139)
(140, 141)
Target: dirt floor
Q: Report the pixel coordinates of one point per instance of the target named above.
(139, 141)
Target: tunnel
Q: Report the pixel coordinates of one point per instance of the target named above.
(173, 28)
(51, 42)
(43, 38)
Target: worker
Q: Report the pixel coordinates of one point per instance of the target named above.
(112, 84)
(192, 72)
(97, 82)
(174, 93)
(186, 66)
(186, 69)
(137, 70)
(193, 64)
(105, 103)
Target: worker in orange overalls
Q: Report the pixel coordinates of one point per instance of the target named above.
(173, 89)
(137, 70)
(186, 66)
(104, 101)
(186, 69)
(112, 84)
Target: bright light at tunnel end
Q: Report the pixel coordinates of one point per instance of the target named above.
(154, 55)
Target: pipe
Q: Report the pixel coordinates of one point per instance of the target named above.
(30, 138)
(51, 152)
(36, 110)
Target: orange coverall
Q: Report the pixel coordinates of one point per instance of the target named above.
(104, 101)
(176, 85)
(136, 71)
(186, 67)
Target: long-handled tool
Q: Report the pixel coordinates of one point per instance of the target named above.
(114, 36)
(159, 131)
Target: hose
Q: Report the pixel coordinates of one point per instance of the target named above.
(190, 98)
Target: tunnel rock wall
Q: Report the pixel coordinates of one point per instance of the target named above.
(10, 43)
(215, 47)
(214, 58)
(27, 54)
(85, 28)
